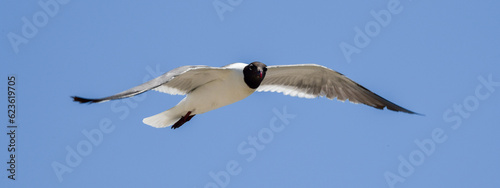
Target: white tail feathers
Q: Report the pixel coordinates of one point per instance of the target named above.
(164, 119)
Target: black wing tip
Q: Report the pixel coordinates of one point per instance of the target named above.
(84, 100)
(411, 112)
(406, 111)
(419, 114)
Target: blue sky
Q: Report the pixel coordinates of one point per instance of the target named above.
(438, 58)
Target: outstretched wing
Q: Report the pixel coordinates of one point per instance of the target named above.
(179, 81)
(311, 81)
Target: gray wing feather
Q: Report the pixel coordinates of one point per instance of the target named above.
(311, 81)
(181, 80)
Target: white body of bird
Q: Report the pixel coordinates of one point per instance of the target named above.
(228, 89)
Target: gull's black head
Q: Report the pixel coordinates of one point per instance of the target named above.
(254, 73)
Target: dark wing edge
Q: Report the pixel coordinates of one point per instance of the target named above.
(385, 103)
(308, 80)
(86, 100)
(152, 84)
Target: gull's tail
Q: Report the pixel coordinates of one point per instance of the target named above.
(164, 119)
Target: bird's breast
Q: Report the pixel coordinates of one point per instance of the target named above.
(217, 93)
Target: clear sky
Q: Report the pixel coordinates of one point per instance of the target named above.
(438, 58)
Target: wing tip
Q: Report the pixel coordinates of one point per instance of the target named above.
(85, 100)
(419, 114)
(401, 109)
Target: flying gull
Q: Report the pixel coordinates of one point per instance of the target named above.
(208, 88)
